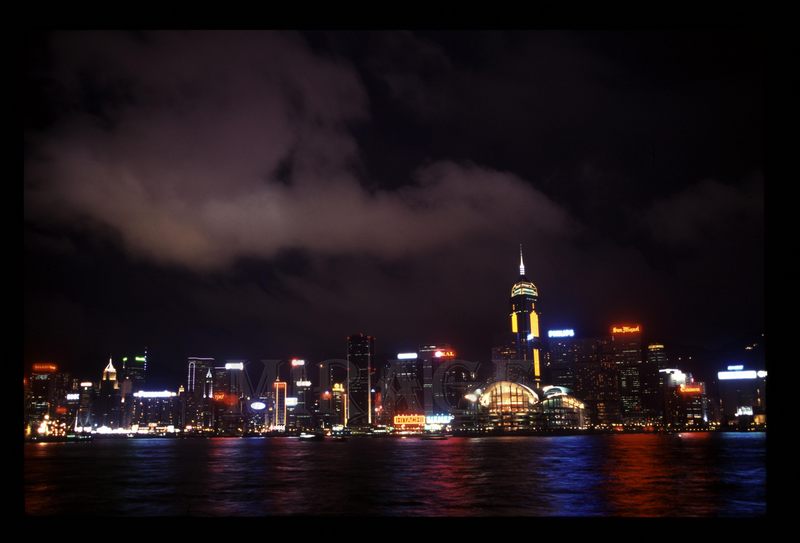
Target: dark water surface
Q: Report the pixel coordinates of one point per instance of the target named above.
(693, 474)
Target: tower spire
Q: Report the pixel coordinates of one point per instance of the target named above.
(521, 263)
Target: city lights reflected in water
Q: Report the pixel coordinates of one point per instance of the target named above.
(691, 474)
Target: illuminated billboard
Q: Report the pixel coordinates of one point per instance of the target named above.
(234, 366)
(44, 367)
(738, 367)
(409, 420)
(439, 419)
(291, 401)
(155, 394)
(303, 383)
(406, 356)
(296, 362)
(625, 329)
(71, 397)
(258, 406)
(561, 333)
(444, 354)
(732, 375)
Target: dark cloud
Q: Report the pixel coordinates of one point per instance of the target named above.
(706, 211)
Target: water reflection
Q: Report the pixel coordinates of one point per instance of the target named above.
(625, 475)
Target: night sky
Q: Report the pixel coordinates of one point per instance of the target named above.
(263, 195)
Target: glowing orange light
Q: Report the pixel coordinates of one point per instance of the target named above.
(444, 354)
(691, 389)
(44, 367)
(626, 329)
(409, 420)
(219, 396)
(61, 410)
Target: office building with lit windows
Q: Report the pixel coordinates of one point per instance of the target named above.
(360, 351)
(199, 391)
(743, 396)
(626, 345)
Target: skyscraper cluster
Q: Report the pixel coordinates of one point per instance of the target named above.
(559, 382)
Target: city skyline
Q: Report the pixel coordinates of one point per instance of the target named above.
(402, 273)
(251, 194)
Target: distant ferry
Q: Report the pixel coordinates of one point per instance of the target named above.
(311, 437)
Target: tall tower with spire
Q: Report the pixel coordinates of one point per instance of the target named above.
(525, 320)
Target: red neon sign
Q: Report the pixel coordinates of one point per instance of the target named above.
(691, 389)
(624, 329)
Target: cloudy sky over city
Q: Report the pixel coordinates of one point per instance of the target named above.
(265, 194)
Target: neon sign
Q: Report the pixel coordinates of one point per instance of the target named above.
(626, 329)
(444, 354)
(234, 366)
(439, 419)
(296, 362)
(44, 367)
(731, 375)
(561, 333)
(691, 389)
(409, 420)
(156, 394)
(406, 356)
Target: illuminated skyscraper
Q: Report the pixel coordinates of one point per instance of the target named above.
(401, 387)
(199, 385)
(525, 320)
(279, 389)
(561, 358)
(360, 350)
(626, 343)
(134, 369)
(300, 387)
(652, 394)
(43, 393)
(431, 356)
(109, 401)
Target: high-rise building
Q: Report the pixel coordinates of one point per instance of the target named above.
(743, 396)
(525, 322)
(109, 401)
(131, 377)
(300, 388)
(626, 344)
(430, 356)
(279, 420)
(561, 358)
(156, 411)
(360, 351)
(401, 387)
(134, 369)
(596, 380)
(42, 393)
(199, 390)
(652, 395)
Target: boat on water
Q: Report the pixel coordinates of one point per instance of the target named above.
(433, 436)
(311, 437)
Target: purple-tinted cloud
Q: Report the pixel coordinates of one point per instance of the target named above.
(185, 163)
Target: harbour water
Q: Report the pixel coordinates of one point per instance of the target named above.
(690, 474)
